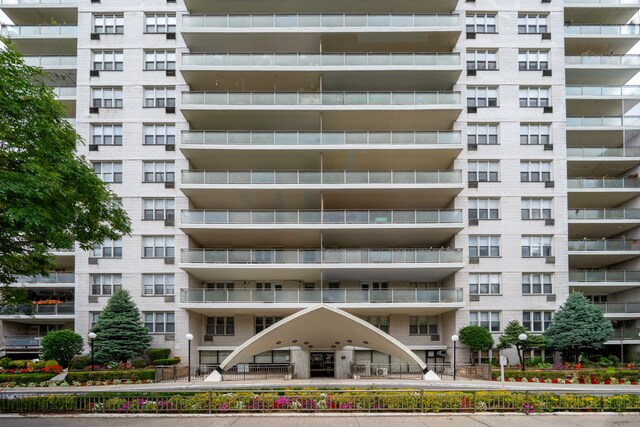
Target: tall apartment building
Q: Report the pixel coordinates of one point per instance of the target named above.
(422, 165)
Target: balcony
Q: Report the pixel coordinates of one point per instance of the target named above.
(53, 280)
(608, 11)
(587, 253)
(396, 300)
(330, 264)
(619, 310)
(602, 222)
(624, 335)
(37, 311)
(43, 39)
(601, 69)
(21, 344)
(67, 96)
(591, 123)
(597, 92)
(615, 38)
(52, 62)
(338, 110)
(32, 11)
(603, 282)
(600, 161)
(601, 192)
(603, 153)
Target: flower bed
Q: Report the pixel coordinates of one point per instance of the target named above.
(580, 376)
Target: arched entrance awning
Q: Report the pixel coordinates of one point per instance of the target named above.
(321, 327)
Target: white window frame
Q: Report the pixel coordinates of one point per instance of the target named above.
(105, 284)
(159, 322)
(482, 59)
(536, 246)
(158, 171)
(535, 133)
(533, 60)
(485, 208)
(109, 172)
(484, 171)
(158, 209)
(423, 325)
(534, 97)
(482, 96)
(533, 23)
(159, 60)
(155, 284)
(220, 325)
(536, 321)
(107, 60)
(107, 97)
(484, 246)
(536, 208)
(159, 96)
(535, 171)
(158, 246)
(484, 283)
(490, 320)
(159, 23)
(159, 134)
(108, 23)
(106, 134)
(482, 133)
(537, 283)
(481, 23)
(108, 249)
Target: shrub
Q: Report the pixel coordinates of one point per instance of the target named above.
(139, 363)
(79, 362)
(18, 364)
(51, 363)
(158, 353)
(25, 378)
(5, 362)
(173, 361)
(62, 345)
(84, 376)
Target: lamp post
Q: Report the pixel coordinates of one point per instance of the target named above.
(189, 337)
(455, 339)
(92, 336)
(522, 337)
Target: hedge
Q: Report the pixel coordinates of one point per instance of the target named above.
(173, 361)
(133, 374)
(158, 353)
(25, 378)
(584, 374)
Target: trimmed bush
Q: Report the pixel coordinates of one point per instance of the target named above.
(18, 364)
(133, 374)
(580, 374)
(25, 378)
(4, 362)
(79, 363)
(173, 361)
(158, 353)
(139, 363)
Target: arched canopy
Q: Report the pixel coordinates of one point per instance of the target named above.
(321, 327)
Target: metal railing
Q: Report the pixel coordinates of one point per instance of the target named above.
(20, 342)
(602, 29)
(588, 183)
(586, 152)
(318, 177)
(51, 60)
(64, 91)
(319, 138)
(320, 98)
(391, 371)
(39, 30)
(37, 309)
(593, 90)
(319, 257)
(51, 278)
(618, 307)
(618, 276)
(339, 20)
(604, 2)
(378, 217)
(320, 59)
(338, 296)
(603, 245)
(602, 60)
(603, 121)
(39, 2)
(604, 214)
(625, 334)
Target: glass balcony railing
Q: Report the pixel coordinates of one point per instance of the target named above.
(602, 29)
(602, 60)
(37, 2)
(324, 98)
(604, 2)
(618, 307)
(603, 90)
(604, 214)
(603, 276)
(589, 183)
(318, 177)
(22, 342)
(37, 309)
(625, 334)
(320, 60)
(603, 245)
(339, 296)
(320, 257)
(65, 91)
(39, 30)
(378, 217)
(588, 152)
(51, 61)
(320, 21)
(51, 278)
(319, 138)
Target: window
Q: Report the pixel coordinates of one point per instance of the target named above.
(159, 322)
(159, 60)
(484, 208)
(483, 171)
(534, 96)
(93, 318)
(159, 172)
(105, 284)
(106, 134)
(484, 283)
(536, 283)
(160, 134)
(158, 246)
(486, 96)
(158, 284)
(110, 172)
(489, 320)
(423, 325)
(535, 171)
(482, 59)
(263, 322)
(536, 321)
(106, 97)
(536, 208)
(108, 249)
(484, 246)
(532, 23)
(535, 133)
(107, 60)
(220, 325)
(482, 134)
(380, 322)
(481, 23)
(159, 23)
(533, 60)
(536, 246)
(159, 97)
(108, 24)
(597, 299)
(158, 209)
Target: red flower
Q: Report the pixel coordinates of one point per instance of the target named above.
(555, 381)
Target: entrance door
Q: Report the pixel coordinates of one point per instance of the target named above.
(322, 364)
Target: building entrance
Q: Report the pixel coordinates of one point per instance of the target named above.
(322, 364)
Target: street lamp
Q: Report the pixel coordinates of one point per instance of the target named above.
(522, 337)
(455, 339)
(92, 336)
(189, 337)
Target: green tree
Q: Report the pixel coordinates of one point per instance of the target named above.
(511, 338)
(477, 338)
(578, 327)
(120, 334)
(61, 345)
(49, 196)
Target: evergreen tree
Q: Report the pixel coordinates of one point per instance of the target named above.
(120, 334)
(511, 338)
(477, 338)
(578, 327)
